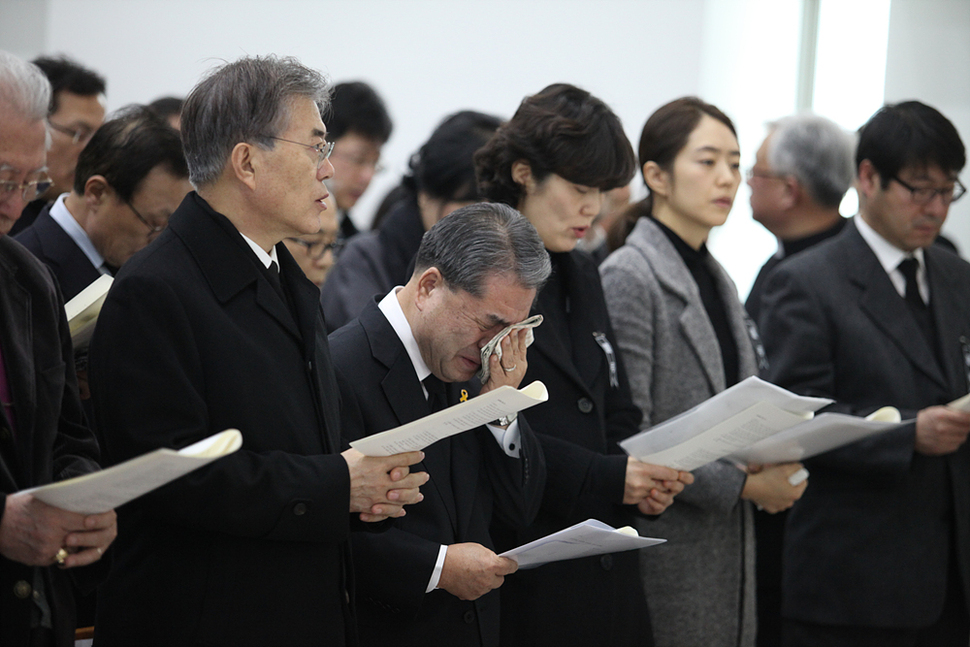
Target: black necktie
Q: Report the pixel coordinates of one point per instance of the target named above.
(914, 300)
(437, 398)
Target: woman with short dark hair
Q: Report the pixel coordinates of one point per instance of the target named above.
(553, 161)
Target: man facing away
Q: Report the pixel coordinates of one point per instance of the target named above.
(877, 552)
(130, 178)
(42, 433)
(801, 173)
(214, 326)
(432, 579)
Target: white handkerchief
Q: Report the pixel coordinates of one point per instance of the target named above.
(495, 345)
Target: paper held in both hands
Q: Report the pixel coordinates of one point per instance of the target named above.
(485, 408)
(753, 422)
(105, 490)
(585, 539)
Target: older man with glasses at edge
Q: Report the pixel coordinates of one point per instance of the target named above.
(76, 110)
(214, 326)
(42, 432)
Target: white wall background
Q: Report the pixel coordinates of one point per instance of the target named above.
(429, 58)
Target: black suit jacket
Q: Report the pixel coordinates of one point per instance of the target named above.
(52, 442)
(472, 480)
(249, 550)
(51, 244)
(868, 543)
(593, 600)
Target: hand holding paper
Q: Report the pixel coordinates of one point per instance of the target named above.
(591, 537)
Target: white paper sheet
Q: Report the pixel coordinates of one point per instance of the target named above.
(726, 423)
(105, 490)
(503, 401)
(825, 432)
(83, 310)
(591, 537)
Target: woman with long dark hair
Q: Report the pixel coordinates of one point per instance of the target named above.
(684, 337)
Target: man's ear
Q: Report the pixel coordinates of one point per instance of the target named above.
(96, 191)
(869, 180)
(793, 193)
(244, 161)
(657, 179)
(429, 281)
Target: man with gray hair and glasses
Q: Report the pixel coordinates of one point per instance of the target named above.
(43, 437)
(800, 175)
(432, 580)
(215, 326)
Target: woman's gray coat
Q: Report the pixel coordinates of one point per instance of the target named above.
(700, 584)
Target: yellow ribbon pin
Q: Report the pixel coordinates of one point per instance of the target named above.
(464, 395)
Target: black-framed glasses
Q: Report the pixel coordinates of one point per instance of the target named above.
(924, 195)
(318, 249)
(154, 229)
(323, 149)
(29, 190)
(80, 135)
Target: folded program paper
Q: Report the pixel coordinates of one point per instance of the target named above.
(591, 537)
(503, 401)
(109, 488)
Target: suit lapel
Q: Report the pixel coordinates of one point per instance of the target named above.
(951, 322)
(548, 344)
(228, 267)
(675, 279)
(887, 310)
(407, 400)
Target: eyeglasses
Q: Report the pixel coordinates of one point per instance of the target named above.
(363, 162)
(323, 149)
(29, 190)
(153, 229)
(80, 135)
(925, 195)
(317, 250)
(752, 173)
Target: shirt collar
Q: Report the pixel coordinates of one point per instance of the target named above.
(391, 308)
(62, 216)
(264, 258)
(888, 254)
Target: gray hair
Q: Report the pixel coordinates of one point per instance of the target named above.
(244, 101)
(817, 152)
(23, 88)
(481, 240)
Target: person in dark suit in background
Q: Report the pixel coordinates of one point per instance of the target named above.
(877, 552)
(432, 580)
(213, 326)
(42, 433)
(441, 179)
(800, 175)
(359, 126)
(553, 160)
(76, 111)
(130, 178)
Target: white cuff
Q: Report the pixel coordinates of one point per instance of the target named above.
(507, 439)
(436, 573)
